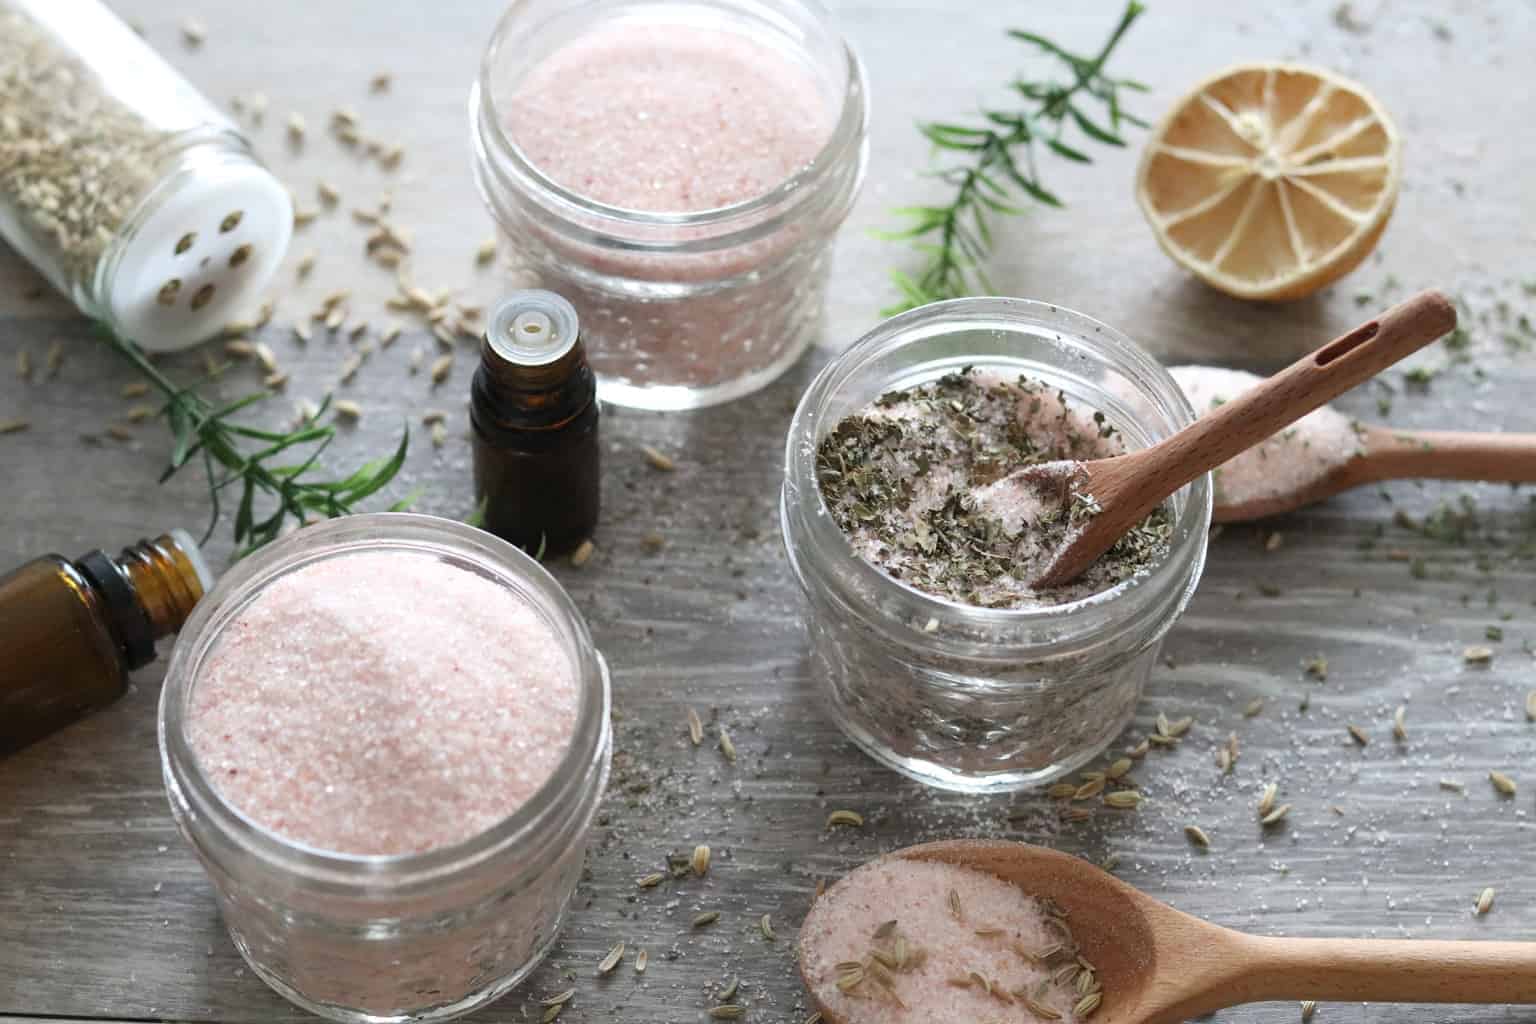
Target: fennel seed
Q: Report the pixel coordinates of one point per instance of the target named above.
(1090, 1002)
(1503, 783)
(583, 554)
(706, 918)
(700, 860)
(1267, 798)
(1062, 791)
(729, 992)
(551, 1013)
(658, 460)
(726, 1011)
(439, 435)
(347, 409)
(1119, 768)
(727, 747)
(1308, 1008)
(558, 998)
(137, 389)
(1254, 707)
(1400, 722)
(954, 905)
(1274, 817)
(1197, 835)
(1530, 706)
(765, 925)
(1089, 789)
(641, 959)
(850, 818)
(611, 961)
(442, 366)
(651, 881)
(1477, 655)
(1358, 735)
(14, 426)
(695, 728)
(1453, 786)
(486, 253)
(1123, 799)
(1484, 901)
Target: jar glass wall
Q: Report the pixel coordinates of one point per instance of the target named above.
(423, 936)
(970, 698)
(679, 310)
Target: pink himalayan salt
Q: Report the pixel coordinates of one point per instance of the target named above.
(383, 703)
(915, 893)
(1296, 457)
(669, 117)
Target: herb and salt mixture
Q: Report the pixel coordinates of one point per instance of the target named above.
(1286, 463)
(74, 161)
(912, 940)
(919, 482)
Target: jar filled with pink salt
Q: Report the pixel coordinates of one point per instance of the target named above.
(678, 171)
(385, 738)
(993, 685)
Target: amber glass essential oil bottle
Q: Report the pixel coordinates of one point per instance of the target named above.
(72, 630)
(534, 411)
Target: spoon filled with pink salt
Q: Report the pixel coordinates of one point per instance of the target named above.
(1105, 498)
(1326, 452)
(977, 930)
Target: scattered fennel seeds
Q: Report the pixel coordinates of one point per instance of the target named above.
(641, 959)
(727, 747)
(765, 925)
(695, 728)
(1308, 1008)
(850, 818)
(559, 998)
(1358, 735)
(1254, 707)
(1196, 835)
(1123, 799)
(1267, 798)
(1530, 706)
(1477, 655)
(1484, 901)
(1275, 816)
(582, 554)
(706, 918)
(14, 426)
(700, 860)
(726, 1011)
(1400, 723)
(657, 459)
(651, 881)
(1503, 783)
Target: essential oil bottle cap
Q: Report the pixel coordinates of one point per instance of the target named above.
(532, 328)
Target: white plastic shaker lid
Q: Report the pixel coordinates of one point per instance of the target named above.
(201, 256)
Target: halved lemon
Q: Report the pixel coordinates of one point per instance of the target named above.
(1269, 181)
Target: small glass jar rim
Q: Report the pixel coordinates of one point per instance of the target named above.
(361, 533)
(810, 415)
(846, 131)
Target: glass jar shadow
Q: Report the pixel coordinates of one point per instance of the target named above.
(953, 695)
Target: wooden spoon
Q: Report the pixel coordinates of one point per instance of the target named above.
(1161, 966)
(1390, 454)
(1126, 488)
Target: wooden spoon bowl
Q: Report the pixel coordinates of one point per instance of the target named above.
(1161, 966)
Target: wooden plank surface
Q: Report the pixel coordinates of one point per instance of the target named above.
(104, 914)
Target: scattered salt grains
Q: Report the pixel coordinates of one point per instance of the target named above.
(1303, 453)
(354, 707)
(884, 946)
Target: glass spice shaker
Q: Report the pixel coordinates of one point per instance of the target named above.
(122, 185)
(534, 410)
(71, 631)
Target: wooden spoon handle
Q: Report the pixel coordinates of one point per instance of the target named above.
(1448, 455)
(1312, 381)
(1388, 971)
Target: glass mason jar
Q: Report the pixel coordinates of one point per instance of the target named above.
(122, 185)
(961, 697)
(423, 936)
(679, 310)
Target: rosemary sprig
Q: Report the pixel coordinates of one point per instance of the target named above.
(207, 432)
(999, 162)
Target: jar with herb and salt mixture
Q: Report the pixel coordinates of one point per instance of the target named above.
(915, 547)
(122, 185)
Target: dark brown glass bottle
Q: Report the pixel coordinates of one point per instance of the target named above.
(534, 410)
(71, 631)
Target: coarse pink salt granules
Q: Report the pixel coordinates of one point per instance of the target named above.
(668, 117)
(1291, 460)
(902, 941)
(382, 703)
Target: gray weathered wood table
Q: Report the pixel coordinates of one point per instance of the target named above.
(104, 914)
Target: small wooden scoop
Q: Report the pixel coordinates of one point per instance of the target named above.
(1161, 966)
(1126, 488)
(1388, 454)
